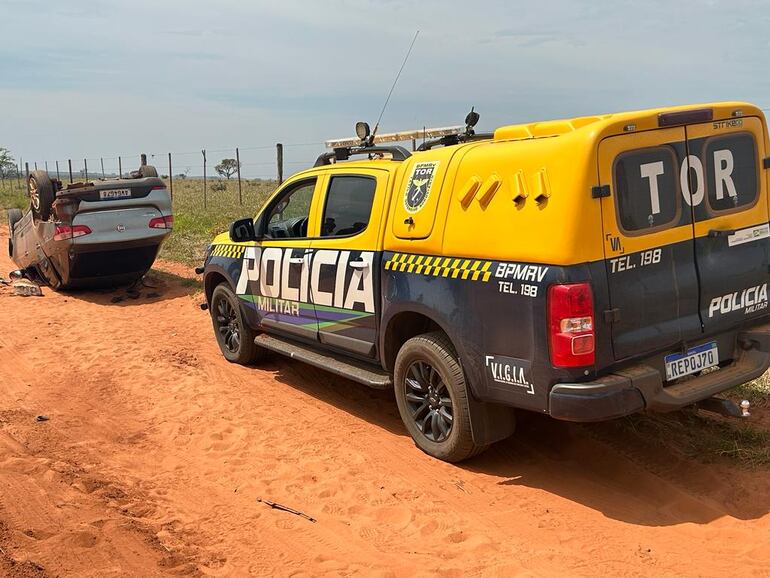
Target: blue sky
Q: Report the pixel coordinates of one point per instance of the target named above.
(100, 78)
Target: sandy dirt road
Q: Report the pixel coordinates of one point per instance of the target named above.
(157, 451)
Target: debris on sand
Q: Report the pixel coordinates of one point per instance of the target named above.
(42, 418)
(277, 506)
(26, 288)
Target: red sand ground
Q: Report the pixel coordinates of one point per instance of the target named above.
(157, 450)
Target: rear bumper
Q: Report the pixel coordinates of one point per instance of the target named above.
(639, 387)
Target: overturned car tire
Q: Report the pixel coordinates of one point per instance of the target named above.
(14, 216)
(41, 194)
(148, 171)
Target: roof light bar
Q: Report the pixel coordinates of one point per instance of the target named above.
(403, 136)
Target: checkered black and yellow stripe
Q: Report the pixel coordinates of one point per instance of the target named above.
(450, 267)
(231, 251)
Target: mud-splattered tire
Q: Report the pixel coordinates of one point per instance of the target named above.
(41, 194)
(234, 337)
(148, 171)
(432, 398)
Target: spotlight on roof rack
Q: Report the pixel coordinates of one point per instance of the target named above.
(471, 120)
(362, 130)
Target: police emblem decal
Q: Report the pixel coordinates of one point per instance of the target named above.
(418, 187)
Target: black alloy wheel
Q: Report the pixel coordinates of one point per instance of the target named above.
(429, 401)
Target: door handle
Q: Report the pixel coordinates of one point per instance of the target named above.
(721, 232)
(359, 264)
(296, 260)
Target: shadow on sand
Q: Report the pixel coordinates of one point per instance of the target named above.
(601, 466)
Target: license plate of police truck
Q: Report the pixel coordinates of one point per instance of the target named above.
(695, 360)
(115, 194)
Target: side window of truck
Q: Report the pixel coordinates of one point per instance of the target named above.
(287, 217)
(348, 205)
(646, 189)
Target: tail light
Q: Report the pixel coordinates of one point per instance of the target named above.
(166, 222)
(158, 188)
(571, 325)
(64, 232)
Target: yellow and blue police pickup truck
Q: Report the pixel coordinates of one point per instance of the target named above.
(587, 269)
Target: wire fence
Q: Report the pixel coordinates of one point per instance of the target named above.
(202, 168)
(262, 162)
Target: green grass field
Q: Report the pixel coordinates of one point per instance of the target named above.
(194, 224)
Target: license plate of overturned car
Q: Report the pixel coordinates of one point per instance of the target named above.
(115, 194)
(695, 360)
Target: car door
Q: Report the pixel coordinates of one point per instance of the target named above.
(729, 204)
(278, 266)
(346, 258)
(648, 236)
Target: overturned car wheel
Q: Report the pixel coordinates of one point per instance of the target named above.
(148, 171)
(14, 216)
(41, 194)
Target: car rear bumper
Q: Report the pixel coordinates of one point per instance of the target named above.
(641, 386)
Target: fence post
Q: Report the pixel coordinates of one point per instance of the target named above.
(170, 177)
(58, 178)
(69, 162)
(120, 168)
(18, 173)
(26, 170)
(85, 168)
(205, 204)
(238, 164)
(46, 166)
(35, 165)
(279, 159)
(101, 160)
(143, 159)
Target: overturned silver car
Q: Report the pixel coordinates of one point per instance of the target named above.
(99, 233)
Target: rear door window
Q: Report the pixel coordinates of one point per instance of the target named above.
(731, 172)
(348, 205)
(647, 190)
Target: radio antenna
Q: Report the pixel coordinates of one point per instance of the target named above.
(387, 100)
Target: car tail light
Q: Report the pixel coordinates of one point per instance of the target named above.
(64, 232)
(166, 222)
(158, 188)
(571, 325)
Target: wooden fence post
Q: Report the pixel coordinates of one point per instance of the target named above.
(205, 203)
(238, 164)
(170, 177)
(279, 160)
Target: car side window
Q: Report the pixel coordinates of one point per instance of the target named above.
(348, 205)
(287, 217)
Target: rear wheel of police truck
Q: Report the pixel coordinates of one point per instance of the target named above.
(234, 337)
(432, 398)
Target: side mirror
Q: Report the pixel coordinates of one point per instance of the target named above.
(242, 231)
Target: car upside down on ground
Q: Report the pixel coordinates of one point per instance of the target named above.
(88, 234)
